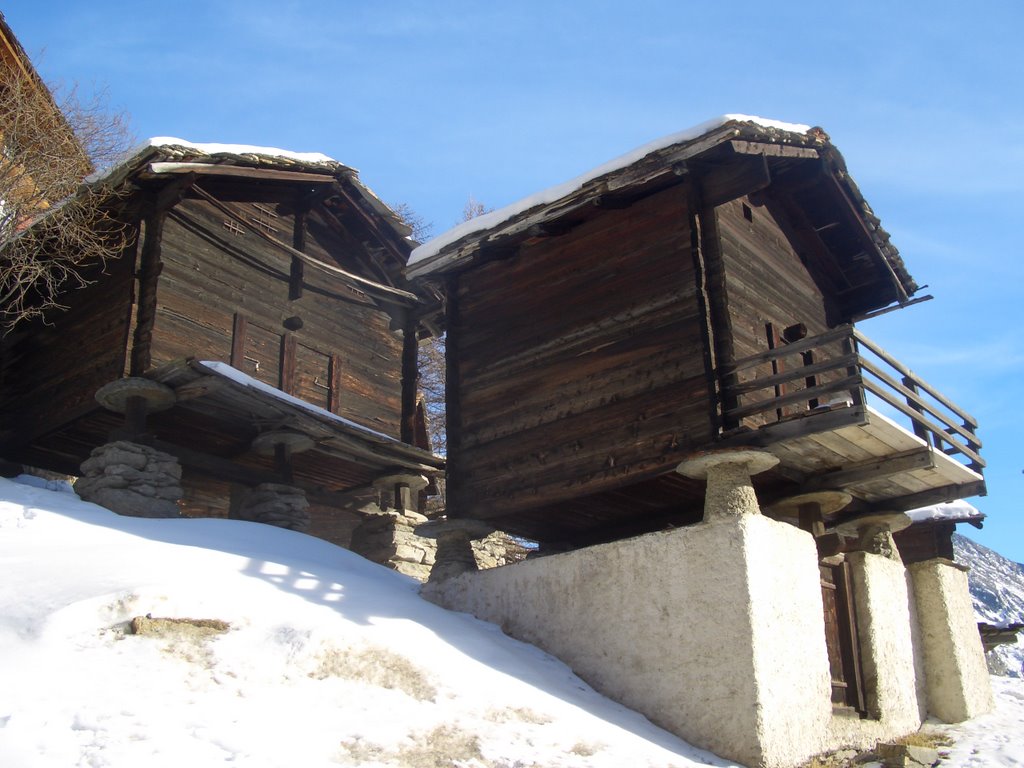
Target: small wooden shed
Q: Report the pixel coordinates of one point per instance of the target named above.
(698, 293)
(284, 267)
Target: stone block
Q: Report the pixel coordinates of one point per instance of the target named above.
(907, 756)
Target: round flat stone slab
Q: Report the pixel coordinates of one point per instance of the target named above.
(414, 482)
(266, 442)
(894, 521)
(827, 501)
(754, 459)
(115, 395)
(435, 529)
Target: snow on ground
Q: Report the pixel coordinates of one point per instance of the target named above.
(995, 739)
(329, 660)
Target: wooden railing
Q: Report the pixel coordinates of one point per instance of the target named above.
(837, 369)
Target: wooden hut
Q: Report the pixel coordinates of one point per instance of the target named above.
(698, 293)
(263, 288)
(670, 342)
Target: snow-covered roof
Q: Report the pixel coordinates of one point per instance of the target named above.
(173, 148)
(653, 164)
(168, 150)
(552, 194)
(951, 511)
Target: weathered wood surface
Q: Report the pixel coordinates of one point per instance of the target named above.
(211, 273)
(580, 360)
(55, 367)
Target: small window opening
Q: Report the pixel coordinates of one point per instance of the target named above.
(747, 213)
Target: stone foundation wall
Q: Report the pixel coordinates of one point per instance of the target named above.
(390, 539)
(714, 631)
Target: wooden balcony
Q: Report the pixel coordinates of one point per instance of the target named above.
(840, 412)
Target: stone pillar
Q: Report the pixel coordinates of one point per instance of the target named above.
(132, 479)
(873, 533)
(956, 677)
(454, 545)
(389, 536)
(275, 504)
(729, 493)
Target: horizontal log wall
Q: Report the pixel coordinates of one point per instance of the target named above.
(580, 360)
(766, 283)
(212, 273)
(53, 369)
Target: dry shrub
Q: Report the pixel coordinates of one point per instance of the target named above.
(375, 666)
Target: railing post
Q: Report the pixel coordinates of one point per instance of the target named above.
(850, 348)
(919, 429)
(972, 444)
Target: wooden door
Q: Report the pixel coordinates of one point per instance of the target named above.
(841, 637)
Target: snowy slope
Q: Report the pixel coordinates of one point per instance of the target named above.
(330, 659)
(997, 590)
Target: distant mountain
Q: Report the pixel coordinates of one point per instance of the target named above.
(997, 589)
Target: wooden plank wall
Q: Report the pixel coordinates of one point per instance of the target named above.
(212, 273)
(52, 370)
(580, 360)
(766, 283)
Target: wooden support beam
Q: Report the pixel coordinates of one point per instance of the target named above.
(237, 171)
(872, 469)
(932, 496)
(811, 424)
(215, 466)
(733, 179)
(772, 150)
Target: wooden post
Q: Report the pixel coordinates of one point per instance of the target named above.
(919, 429)
(150, 267)
(850, 348)
(718, 304)
(410, 378)
(453, 407)
(299, 244)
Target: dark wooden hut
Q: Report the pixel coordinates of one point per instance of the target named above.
(284, 266)
(699, 293)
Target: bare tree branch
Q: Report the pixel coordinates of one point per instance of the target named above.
(50, 224)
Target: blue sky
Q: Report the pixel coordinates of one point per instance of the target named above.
(435, 102)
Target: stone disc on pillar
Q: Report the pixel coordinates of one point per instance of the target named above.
(828, 501)
(414, 482)
(115, 395)
(893, 521)
(755, 461)
(265, 443)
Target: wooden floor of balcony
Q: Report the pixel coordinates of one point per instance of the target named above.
(879, 462)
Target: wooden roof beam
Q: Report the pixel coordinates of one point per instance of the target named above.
(159, 169)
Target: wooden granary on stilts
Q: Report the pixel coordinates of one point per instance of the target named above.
(256, 330)
(657, 370)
